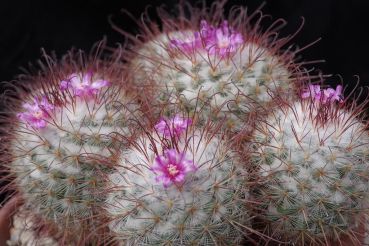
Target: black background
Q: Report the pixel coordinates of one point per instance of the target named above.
(28, 25)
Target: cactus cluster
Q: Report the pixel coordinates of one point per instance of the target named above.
(205, 132)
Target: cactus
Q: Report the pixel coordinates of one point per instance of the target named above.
(65, 140)
(182, 188)
(313, 161)
(226, 69)
(22, 232)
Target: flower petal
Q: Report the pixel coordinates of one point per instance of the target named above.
(179, 178)
(64, 85)
(171, 167)
(99, 84)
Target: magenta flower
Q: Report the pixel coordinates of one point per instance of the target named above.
(36, 113)
(188, 45)
(313, 91)
(83, 86)
(206, 31)
(173, 127)
(172, 167)
(222, 40)
(333, 95)
(324, 96)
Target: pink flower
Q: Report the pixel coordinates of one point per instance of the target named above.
(188, 45)
(83, 86)
(313, 91)
(324, 96)
(222, 40)
(172, 167)
(173, 127)
(333, 95)
(207, 31)
(36, 113)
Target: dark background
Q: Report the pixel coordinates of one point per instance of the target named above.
(28, 25)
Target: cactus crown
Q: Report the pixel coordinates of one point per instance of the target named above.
(222, 66)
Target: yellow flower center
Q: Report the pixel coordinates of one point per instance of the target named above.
(38, 114)
(172, 170)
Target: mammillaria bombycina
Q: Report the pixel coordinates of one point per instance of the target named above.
(182, 190)
(204, 130)
(312, 157)
(65, 136)
(220, 65)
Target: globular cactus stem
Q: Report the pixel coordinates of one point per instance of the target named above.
(223, 67)
(312, 156)
(65, 142)
(182, 188)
